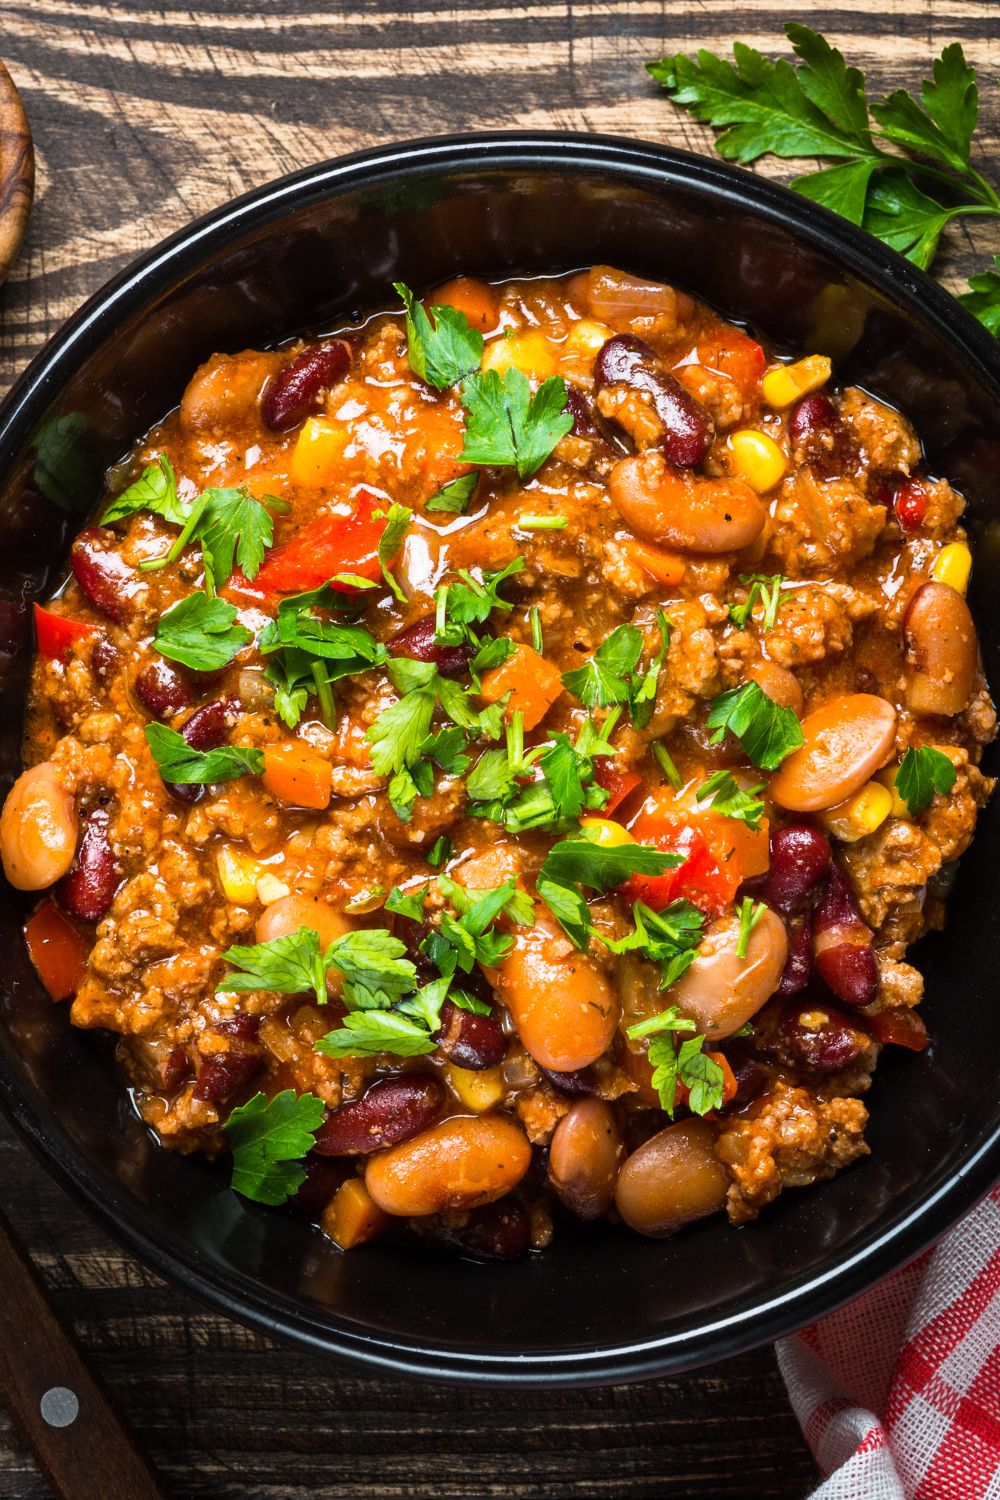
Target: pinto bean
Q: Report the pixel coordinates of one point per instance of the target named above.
(673, 1179)
(418, 641)
(821, 1039)
(39, 829)
(289, 913)
(681, 510)
(562, 1003)
(778, 683)
(941, 651)
(687, 427)
(161, 689)
(470, 1041)
(295, 391)
(224, 1073)
(846, 740)
(391, 1111)
(582, 1081)
(799, 859)
(104, 576)
(584, 1157)
(842, 944)
(462, 1162)
(89, 889)
(721, 990)
(497, 1231)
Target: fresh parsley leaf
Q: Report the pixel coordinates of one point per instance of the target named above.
(232, 529)
(642, 694)
(376, 972)
(444, 350)
(408, 903)
(176, 761)
(155, 490)
(491, 778)
(397, 524)
(201, 633)
(577, 862)
(731, 800)
(425, 1004)
(688, 1064)
(941, 125)
(922, 772)
(900, 215)
(768, 589)
(701, 1074)
(454, 498)
(569, 907)
(767, 731)
(507, 425)
(400, 730)
(268, 1138)
(472, 600)
(669, 938)
(605, 678)
(983, 298)
(440, 852)
(367, 1033)
(311, 652)
(750, 914)
(291, 676)
(289, 965)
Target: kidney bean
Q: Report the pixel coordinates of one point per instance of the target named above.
(581, 1081)
(673, 1179)
(88, 890)
(846, 740)
(721, 990)
(390, 1111)
(799, 964)
(820, 438)
(104, 658)
(800, 857)
(418, 641)
(687, 427)
(208, 726)
(497, 1231)
(161, 689)
(778, 683)
(563, 1005)
(941, 651)
(461, 1162)
(819, 1038)
(294, 392)
(751, 1081)
(584, 423)
(176, 1070)
(675, 508)
(584, 1157)
(900, 493)
(468, 1040)
(241, 1024)
(842, 944)
(224, 1073)
(39, 829)
(105, 577)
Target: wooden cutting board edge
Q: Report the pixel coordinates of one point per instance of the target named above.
(17, 172)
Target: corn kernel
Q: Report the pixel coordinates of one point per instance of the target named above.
(270, 888)
(887, 776)
(757, 459)
(859, 815)
(952, 566)
(786, 383)
(318, 450)
(587, 337)
(478, 1091)
(606, 832)
(239, 873)
(531, 353)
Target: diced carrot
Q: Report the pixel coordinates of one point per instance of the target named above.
(56, 633)
(533, 683)
(352, 1216)
(57, 950)
(618, 784)
(665, 567)
(297, 775)
(474, 298)
(731, 839)
(732, 353)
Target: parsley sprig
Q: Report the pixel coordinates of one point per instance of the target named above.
(577, 863)
(548, 786)
(922, 772)
(688, 1063)
(611, 675)
(443, 350)
(731, 800)
(669, 938)
(232, 528)
(312, 643)
(268, 1138)
(201, 633)
(766, 587)
(507, 425)
(178, 762)
(767, 730)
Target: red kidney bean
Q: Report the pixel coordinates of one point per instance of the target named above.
(799, 963)
(687, 427)
(579, 409)
(208, 726)
(819, 1038)
(497, 1231)
(818, 433)
(105, 577)
(89, 889)
(800, 857)
(161, 689)
(176, 1070)
(294, 392)
(324, 1176)
(751, 1081)
(468, 1040)
(418, 641)
(104, 658)
(391, 1111)
(582, 1081)
(242, 1024)
(842, 944)
(906, 496)
(224, 1073)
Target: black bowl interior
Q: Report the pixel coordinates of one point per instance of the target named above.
(301, 255)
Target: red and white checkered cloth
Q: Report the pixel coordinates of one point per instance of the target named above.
(898, 1393)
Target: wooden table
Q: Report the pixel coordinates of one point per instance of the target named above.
(144, 116)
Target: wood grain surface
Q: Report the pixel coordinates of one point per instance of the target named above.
(145, 115)
(17, 171)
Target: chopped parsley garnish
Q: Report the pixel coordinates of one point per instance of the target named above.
(268, 1139)
(767, 731)
(371, 961)
(154, 490)
(453, 498)
(610, 675)
(669, 938)
(178, 762)
(542, 523)
(537, 639)
(311, 652)
(545, 787)
(467, 600)
(507, 425)
(766, 587)
(575, 863)
(732, 800)
(689, 1064)
(665, 761)
(440, 852)
(397, 524)
(232, 528)
(750, 914)
(922, 772)
(444, 350)
(201, 633)
(366, 1033)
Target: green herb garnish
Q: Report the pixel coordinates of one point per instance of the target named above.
(178, 762)
(922, 772)
(507, 425)
(154, 490)
(201, 633)
(268, 1139)
(768, 588)
(454, 498)
(767, 731)
(444, 350)
(732, 800)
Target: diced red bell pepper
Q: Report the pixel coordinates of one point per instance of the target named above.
(57, 950)
(902, 1028)
(619, 784)
(323, 548)
(56, 633)
(706, 877)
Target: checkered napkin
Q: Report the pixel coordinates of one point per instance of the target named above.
(898, 1393)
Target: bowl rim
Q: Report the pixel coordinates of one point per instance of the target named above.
(898, 1236)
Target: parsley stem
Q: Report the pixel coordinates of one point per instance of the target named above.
(663, 759)
(515, 739)
(537, 640)
(181, 541)
(542, 523)
(441, 613)
(324, 692)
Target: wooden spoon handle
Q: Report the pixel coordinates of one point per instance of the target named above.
(64, 1413)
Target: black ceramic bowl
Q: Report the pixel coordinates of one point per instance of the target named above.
(602, 1304)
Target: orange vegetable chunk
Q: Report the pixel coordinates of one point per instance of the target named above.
(57, 950)
(533, 683)
(298, 776)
